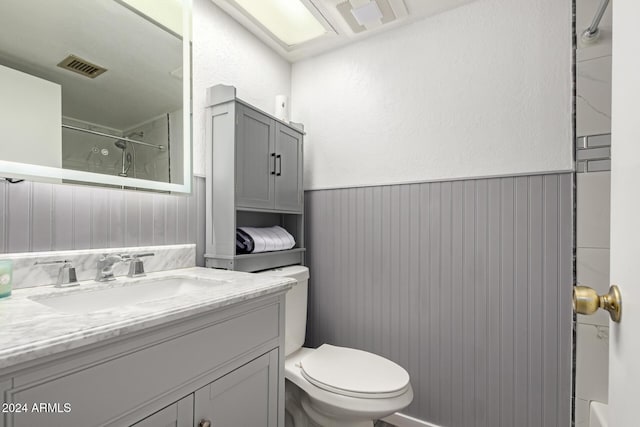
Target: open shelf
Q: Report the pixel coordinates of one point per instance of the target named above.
(268, 254)
(259, 261)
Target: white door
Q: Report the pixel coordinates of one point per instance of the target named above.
(624, 347)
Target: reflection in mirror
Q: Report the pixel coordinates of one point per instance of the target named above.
(91, 86)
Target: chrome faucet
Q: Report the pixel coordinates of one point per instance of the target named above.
(66, 274)
(105, 266)
(108, 261)
(136, 266)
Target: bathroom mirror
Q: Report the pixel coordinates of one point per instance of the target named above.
(96, 92)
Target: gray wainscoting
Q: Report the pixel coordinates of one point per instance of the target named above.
(466, 284)
(45, 217)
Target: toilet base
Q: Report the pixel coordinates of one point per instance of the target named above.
(301, 413)
(321, 420)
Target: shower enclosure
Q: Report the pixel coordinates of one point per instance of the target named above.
(143, 151)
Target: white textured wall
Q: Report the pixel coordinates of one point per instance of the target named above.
(224, 52)
(481, 90)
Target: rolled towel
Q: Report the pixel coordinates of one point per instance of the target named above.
(263, 239)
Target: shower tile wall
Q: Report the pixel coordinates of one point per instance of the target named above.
(45, 217)
(592, 263)
(467, 284)
(593, 117)
(593, 73)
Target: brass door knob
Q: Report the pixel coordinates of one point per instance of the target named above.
(587, 301)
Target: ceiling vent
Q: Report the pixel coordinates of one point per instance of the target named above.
(81, 66)
(365, 15)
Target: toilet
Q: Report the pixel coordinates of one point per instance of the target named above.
(334, 386)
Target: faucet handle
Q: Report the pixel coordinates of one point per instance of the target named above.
(136, 265)
(141, 255)
(67, 274)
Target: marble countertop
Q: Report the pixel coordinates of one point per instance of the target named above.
(31, 330)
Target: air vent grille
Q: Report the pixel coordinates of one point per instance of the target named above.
(81, 66)
(385, 8)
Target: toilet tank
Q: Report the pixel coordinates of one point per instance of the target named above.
(295, 306)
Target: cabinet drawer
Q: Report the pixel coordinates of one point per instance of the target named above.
(101, 393)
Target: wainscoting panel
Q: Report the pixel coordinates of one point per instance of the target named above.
(44, 217)
(466, 284)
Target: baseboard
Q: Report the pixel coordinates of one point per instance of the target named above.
(402, 420)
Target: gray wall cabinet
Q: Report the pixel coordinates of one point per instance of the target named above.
(289, 192)
(255, 159)
(254, 178)
(268, 163)
(227, 365)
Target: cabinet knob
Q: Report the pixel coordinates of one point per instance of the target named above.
(205, 423)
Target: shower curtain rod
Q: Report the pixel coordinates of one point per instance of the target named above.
(593, 31)
(120, 138)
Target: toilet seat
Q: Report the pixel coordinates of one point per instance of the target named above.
(354, 373)
(338, 405)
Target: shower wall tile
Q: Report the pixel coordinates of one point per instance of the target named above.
(585, 11)
(582, 413)
(592, 355)
(466, 284)
(592, 269)
(593, 209)
(38, 217)
(593, 102)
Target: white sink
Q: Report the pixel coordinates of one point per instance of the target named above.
(126, 294)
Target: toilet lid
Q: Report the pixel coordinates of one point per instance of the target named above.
(355, 373)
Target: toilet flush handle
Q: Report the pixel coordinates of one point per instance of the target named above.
(205, 423)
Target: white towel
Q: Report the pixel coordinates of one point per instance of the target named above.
(267, 239)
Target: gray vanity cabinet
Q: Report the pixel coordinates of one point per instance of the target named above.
(268, 162)
(180, 414)
(225, 365)
(244, 397)
(247, 396)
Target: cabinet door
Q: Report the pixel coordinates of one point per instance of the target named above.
(246, 397)
(255, 159)
(289, 192)
(180, 414)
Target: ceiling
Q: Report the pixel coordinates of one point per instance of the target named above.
(139, 55)
(341, 33)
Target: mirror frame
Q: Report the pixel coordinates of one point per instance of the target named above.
(50, 174)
